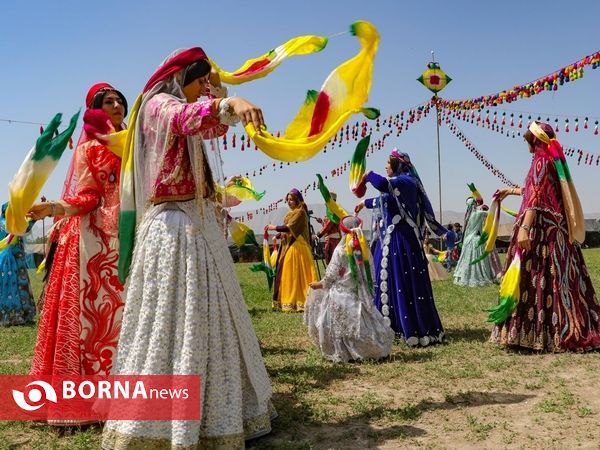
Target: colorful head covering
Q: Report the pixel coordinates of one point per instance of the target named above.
(174, 64)
(573, 211)
(94, 90)
(95, 122)
(404, 162)
(356, 251)
(425, 214)
(296, 193)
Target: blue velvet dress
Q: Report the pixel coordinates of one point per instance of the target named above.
(403, 290)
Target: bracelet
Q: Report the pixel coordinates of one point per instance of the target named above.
(525, 226)
(52, 209)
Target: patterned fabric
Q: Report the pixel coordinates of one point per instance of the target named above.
(17, 306)
(175, 178)
(558, 309)
(403, 290)
(484, 272)
(81, 317)
(185, 314)
(342, 318)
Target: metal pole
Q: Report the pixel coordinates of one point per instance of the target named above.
(437, 127)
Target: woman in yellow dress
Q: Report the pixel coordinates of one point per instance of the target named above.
(295, 264)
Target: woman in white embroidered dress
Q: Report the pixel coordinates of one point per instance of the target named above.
(340, 314)
(184, 312)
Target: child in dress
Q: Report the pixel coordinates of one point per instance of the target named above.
(339, 312)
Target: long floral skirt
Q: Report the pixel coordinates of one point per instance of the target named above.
(185, 314)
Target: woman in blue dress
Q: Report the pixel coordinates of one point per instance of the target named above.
(403, 291)
(17, 306)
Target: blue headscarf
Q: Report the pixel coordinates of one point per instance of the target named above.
(425, 214)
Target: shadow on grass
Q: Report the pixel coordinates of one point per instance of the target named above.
(480, 334)
(257, 313)
(305, 376)
(414, 355)
(272, 351)
(474, 398)
(301, 425)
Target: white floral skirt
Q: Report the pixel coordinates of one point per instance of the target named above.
(185, 314)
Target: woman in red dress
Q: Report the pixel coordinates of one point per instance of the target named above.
(82, 304)
(557, 310)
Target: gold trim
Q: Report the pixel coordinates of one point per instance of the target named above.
(253, 428)
(172, 198)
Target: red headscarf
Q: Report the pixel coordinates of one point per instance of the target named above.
(175, 64)
(89, 98)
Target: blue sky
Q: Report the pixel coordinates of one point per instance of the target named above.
(53, 52)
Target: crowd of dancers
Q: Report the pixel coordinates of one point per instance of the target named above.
(141, 283)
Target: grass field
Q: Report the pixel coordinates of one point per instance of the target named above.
(464, 394)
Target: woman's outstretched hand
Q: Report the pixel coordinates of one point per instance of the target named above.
(248, 112)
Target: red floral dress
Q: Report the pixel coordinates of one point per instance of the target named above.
(81, 317)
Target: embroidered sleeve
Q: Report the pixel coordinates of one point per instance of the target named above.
(189, 119)
(88, 194)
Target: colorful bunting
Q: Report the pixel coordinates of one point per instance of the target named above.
(546, 83)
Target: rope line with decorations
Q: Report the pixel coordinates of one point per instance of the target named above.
(480, 156)
(550, 82)
(399, 122)
(514, 119)
(583, 156)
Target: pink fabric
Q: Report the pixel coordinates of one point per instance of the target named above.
(174, 65)
(168, 122)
